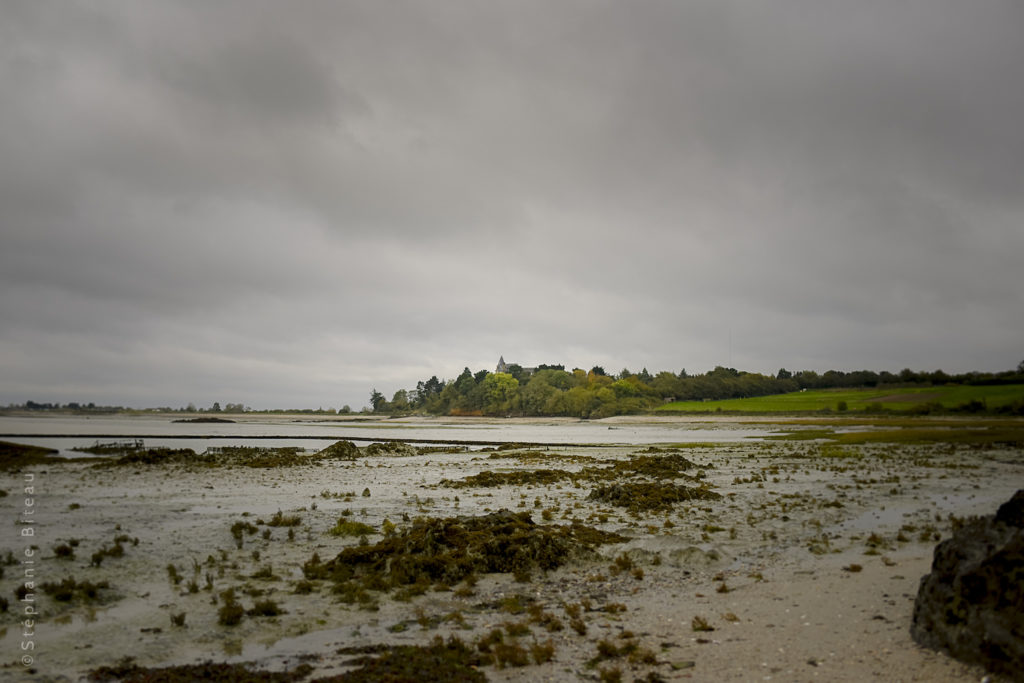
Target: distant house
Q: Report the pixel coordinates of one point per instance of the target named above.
(504, 367)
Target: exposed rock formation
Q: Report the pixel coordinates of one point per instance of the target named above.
(971, 605)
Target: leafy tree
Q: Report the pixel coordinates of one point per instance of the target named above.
(501, 391)
(465, 381)
(545, 366)
(377, 401)
(534, 397)
(603, 403)
(517, 371)
(665, 384)
(576, 402)
(626, 387)
(400, 401)
(560, 379)
(433, 386)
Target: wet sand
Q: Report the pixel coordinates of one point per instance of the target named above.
(806, 569)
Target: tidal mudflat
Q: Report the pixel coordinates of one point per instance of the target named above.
(791, 559)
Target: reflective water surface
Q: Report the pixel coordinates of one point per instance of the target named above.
(66, 432)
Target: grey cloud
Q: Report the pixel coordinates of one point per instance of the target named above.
(294, 203)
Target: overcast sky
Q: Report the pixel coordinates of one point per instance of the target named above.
(287, 204)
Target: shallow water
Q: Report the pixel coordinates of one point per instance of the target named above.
(67, 432)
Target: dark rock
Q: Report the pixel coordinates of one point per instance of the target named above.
(1012, 511)
(971, 605)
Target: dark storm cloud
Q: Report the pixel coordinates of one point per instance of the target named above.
(287, 204)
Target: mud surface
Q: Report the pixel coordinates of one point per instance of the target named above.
(800, 563)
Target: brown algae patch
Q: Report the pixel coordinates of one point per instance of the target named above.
(451, 660)
(644, 496)
(14, 456)
(532, 456)
(157, 456)
(489, 479)
(446, 551)
(669, 466)
(246, 456)
(232, 456)
(128, 672)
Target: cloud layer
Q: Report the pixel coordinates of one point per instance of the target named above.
(287, 204)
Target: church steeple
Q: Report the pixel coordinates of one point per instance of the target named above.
(501, 365)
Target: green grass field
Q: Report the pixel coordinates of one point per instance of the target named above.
(902, 399)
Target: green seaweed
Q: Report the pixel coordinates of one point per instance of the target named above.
(646, 496)
(126, 671)
(670, 466)
(489, 479)
(448, 550)
(347, 528)
(340, 450)
(448, 661)
(655, 466)
(390, 448)
(14, 456)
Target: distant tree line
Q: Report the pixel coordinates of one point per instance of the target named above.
(231, 408)
(67, 407)
(552, 390)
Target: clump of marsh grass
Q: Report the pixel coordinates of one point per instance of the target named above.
(345, 527)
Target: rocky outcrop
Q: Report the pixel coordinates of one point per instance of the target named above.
(971, 605)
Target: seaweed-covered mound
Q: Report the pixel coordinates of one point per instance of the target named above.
(397, 449)
(128, 672)
(255, 456)
(489, 479)
(158, 456)
(15, 455)
(452, 661)
(671, 466)
(655, 466)
(340, 450)
(447, 550)
(113, 447)
(971, 605)
(643, 496)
